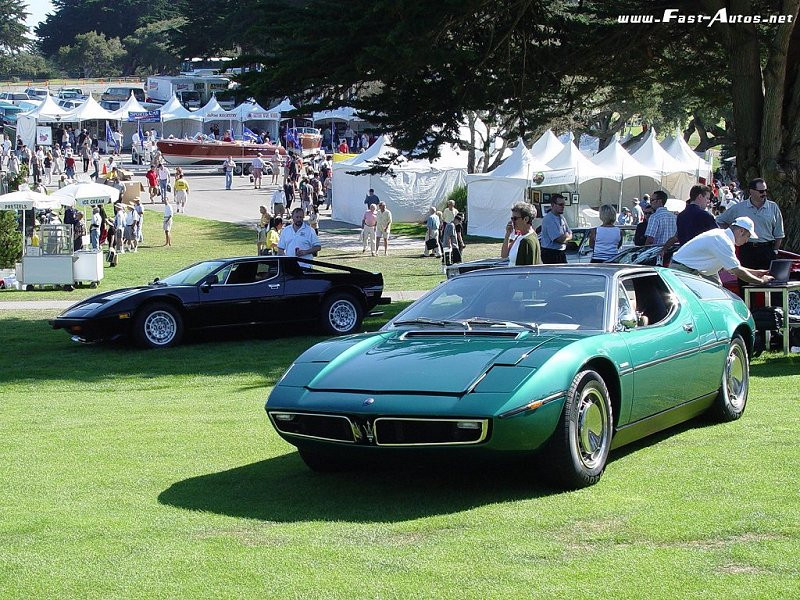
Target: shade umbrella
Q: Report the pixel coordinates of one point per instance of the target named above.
(89, 194)
(27, 199)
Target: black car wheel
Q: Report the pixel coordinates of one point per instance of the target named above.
(580, 445)
(324, 463)
(341, 314)
(158, 325)
(732, 397)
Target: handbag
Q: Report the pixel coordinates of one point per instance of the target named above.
(169, 188)
(431, 244)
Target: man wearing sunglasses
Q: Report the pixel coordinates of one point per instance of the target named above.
(555, 233)
(766, 215)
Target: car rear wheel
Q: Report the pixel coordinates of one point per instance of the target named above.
(579, 448)
(324, 463)
(341, 314)
(158, 325)
(732, 397)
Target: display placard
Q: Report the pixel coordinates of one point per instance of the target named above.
(44, 135)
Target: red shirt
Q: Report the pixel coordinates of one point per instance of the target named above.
(343, 148)
(152, 178)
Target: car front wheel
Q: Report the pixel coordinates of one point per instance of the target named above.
(732, 397)
(341, 314)
(158, 325)
(580, 445)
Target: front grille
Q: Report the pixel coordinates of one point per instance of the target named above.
(394, 431)
(324, 427)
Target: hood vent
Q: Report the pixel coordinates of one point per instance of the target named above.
(466, 333)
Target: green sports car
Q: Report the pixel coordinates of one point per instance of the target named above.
(562, 362)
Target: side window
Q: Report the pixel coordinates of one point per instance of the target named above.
(626, 299)
(266, 270)
(650, 298)
(242, 273)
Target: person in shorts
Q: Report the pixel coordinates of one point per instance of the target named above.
(384, 227)
(181, 189)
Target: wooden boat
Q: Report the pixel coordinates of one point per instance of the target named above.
(305, 140)
(210, 152)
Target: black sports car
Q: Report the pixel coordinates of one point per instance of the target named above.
(228, 292)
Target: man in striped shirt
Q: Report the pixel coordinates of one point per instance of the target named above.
(663, 224)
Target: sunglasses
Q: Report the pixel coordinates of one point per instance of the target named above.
(762, 192)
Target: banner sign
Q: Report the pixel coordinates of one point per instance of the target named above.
(44, 136)
(16, 205)
(262, 116)
(147, 116)
(228, 116)
(94, 201)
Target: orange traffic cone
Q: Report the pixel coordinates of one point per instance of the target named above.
(105, 170)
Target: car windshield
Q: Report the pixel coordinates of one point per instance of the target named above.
(557, 299)
(194, 274)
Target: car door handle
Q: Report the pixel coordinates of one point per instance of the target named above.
(274, 286)
(688, 327)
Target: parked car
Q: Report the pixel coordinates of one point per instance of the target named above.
(110, 105)
(37, 93)
(228, 292)
(567, 362)
(70, 104)
(71, 94)
(122, 93)
(14, 97)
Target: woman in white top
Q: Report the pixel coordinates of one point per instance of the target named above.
(606, 239)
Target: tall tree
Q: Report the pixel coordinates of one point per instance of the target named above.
(113, 18)
(13, 30)
(149, 48)
(92, 55)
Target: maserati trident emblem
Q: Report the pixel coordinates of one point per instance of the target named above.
(369, 401)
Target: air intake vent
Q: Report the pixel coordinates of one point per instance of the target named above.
(474, 333)
(323, 427)
(394, 431)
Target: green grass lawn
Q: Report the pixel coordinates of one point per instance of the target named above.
(156, 475)
(199, 239)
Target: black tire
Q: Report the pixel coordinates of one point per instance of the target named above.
(578, 451)
(237, 170)
(158, 325)
(732, 397)
(68, 288)
(324, 463)
(93, 284)
(341, 314)
(29, 287)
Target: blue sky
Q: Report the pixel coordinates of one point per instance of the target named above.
(37, 9)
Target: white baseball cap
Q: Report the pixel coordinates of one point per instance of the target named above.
(746, 223)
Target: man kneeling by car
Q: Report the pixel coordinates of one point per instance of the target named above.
(713, 250)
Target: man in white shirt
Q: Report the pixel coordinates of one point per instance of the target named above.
(299, 239)
(278, 202)
(711, 251)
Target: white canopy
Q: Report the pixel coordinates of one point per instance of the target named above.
(28, 199)
(654, 157)
(408, 191)
(677, 148)
(47, 110)
(212, 111)
(346, 113)
(253, 111)
(88, 111)
(131, 105)
(620, 165)
(491, 195)
(571, 166)
(284, 106)
(174, 110)
(84, 193)
(547, 147)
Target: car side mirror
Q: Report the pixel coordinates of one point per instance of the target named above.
(628, 319)
(212, 280)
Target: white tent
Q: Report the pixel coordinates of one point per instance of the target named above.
(88, 111)
(676, 178)
(627, 178)
(46, 112)
(179, 121)
(255, 116)
(284, 106)
(547, 147)
(212, 112)
(578, 169)
(346, 113)
(128, 128)
(491, 195)
(380, 148)
(678, 149)
(408, 191)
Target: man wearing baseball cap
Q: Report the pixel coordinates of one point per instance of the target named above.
(714, 250)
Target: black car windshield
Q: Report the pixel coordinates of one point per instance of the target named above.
(564, 300)
(194, 274)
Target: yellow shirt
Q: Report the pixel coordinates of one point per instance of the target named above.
(272, 239)
(181, 185)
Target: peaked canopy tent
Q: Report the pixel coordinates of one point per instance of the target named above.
(408, 191)
(46, 112)
(128, 128)
(676, 178)
(178, 121)
(628, 178)
(547, 147)
(254, 116)
(490, 196)
(88, 116)
(678, 149)
(212, 112)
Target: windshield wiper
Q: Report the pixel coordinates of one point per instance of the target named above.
(485, 321)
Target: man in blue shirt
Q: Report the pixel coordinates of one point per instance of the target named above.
(694, 219)
(555, 233)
